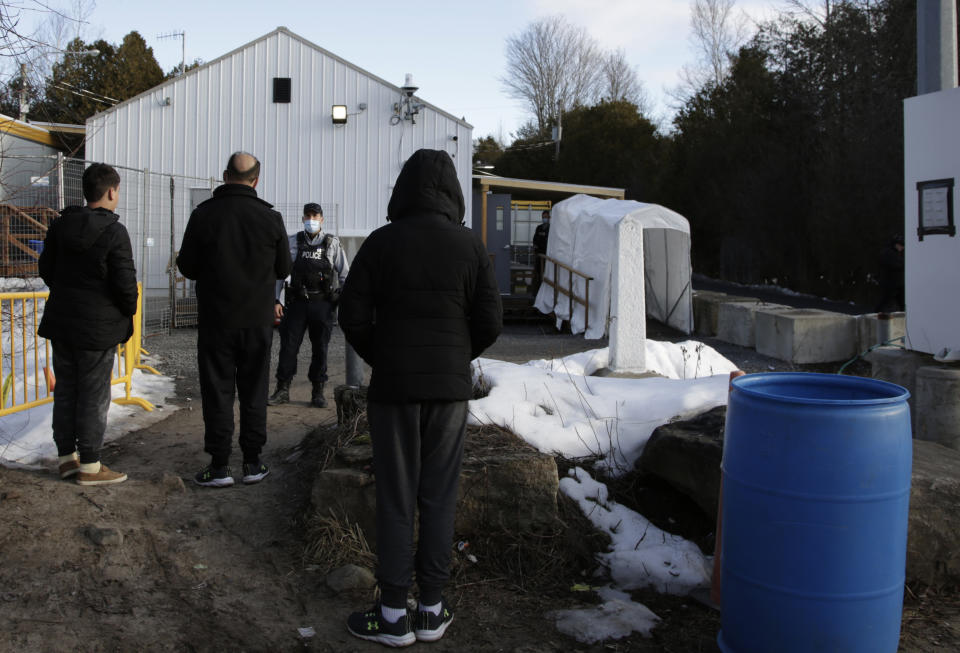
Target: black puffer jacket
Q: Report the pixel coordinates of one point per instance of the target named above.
(421, 300)
(87, 263)
(235, 246)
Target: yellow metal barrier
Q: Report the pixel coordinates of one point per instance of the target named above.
(24, 388)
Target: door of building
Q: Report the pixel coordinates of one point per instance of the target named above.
(498, 235)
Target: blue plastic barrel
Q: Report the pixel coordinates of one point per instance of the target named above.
(816, 490)
(36, 245)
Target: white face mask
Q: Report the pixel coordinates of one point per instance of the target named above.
(311, 226)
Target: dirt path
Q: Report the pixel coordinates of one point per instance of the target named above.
(159, 564)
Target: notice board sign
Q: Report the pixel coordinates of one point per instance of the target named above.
(935, 208)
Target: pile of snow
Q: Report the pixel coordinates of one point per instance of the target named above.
(560, 409)
(26, 437)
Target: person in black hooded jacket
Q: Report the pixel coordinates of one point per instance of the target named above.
(87, 263)
(419, 304)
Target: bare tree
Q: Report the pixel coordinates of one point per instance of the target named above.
(552, 66)
(35, 51)
(816, 10)
(717, 32)
(57, 30)
(620, 82)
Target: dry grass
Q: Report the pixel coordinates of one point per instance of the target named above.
(333, 541)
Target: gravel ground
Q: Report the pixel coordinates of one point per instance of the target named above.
(519, 342)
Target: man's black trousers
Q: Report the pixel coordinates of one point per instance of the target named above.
(81, 399)
(417, 451)
(299, 316)
(231, 359)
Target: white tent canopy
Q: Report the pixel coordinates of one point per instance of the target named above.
(583, 232)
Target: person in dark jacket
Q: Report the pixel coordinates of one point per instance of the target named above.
(540, 237)
(319, 269)
(235, 247)
(87, 263)
(419, 304)
(891, 277)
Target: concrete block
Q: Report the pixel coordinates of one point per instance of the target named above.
(873, 331)
(736, 320)
(706, 306)
(938, 405)
(899, 366)
(806, 335)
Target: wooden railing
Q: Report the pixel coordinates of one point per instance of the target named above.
(19, 225)
(559, 289)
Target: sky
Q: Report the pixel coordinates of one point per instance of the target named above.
(453, 49)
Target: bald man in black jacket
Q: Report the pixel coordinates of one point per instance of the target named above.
(419, 304)
(235, 247)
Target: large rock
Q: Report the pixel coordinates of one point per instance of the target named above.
(687, 455)
(512, 490)
(933, 542)
(504, 484)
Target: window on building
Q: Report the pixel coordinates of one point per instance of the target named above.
(281, 89)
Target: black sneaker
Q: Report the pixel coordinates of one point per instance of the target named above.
(431, 627)
(254, 472)
(371, 625)
(211, 476)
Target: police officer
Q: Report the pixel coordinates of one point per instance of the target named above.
(540, 238)
(319, 270)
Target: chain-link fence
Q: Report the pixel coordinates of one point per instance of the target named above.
(153, 206)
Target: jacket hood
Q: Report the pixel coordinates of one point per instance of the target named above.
(82, 225)
(427, 184)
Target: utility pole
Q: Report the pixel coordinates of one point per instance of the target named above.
(23, 92)
(183, 41)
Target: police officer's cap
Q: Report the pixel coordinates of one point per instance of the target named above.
(312, 208)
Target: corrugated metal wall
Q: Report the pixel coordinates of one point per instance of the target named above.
(227, 105)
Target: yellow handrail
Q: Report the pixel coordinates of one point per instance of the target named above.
(129, 355)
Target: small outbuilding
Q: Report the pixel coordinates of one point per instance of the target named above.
(584, 234)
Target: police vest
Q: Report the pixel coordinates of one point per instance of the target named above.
(312, 269)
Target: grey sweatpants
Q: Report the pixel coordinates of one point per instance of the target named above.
(417, 451)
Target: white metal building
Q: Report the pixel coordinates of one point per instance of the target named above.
(274, 97)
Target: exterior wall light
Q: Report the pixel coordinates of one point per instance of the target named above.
(339, 114)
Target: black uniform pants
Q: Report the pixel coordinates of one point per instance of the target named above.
(81, 399)
(417, 451)
(231, 359)
(299, 316)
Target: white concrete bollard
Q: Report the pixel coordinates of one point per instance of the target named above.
(628, 308)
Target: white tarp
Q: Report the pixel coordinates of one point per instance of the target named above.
(583, 230)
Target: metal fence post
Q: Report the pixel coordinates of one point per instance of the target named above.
(173, 261)
(61, 200)
(144, 222)
(354, 367)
